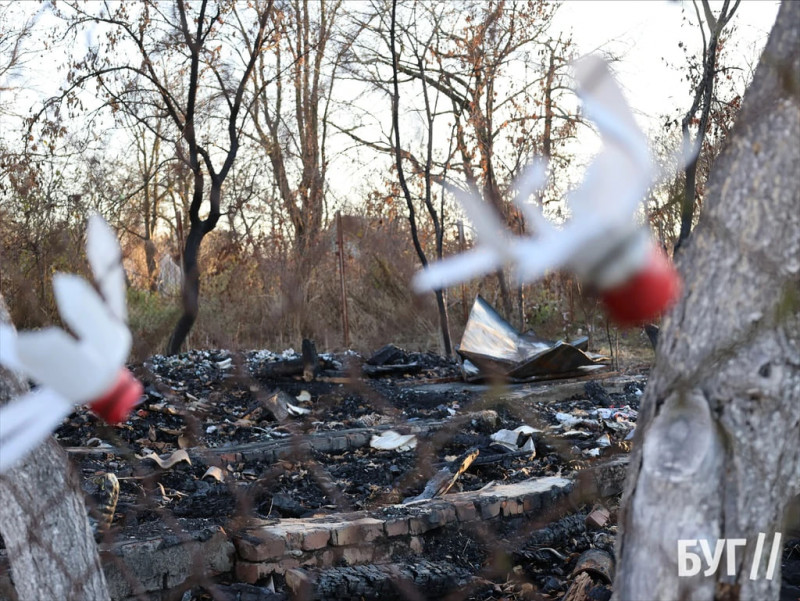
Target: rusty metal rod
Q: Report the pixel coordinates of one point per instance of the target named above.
(342, 283)
(461, 248)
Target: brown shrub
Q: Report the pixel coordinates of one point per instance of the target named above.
(262, 295)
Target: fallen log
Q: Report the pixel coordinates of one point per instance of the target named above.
(445, 478)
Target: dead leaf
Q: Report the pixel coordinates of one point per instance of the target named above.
(295, 410)
(169, 461)
(392, 441)
(214, 472)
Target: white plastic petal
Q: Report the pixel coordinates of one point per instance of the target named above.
(55, 359)
(620, 174)
(453, 270)
(602, 206)
(484, 218)
(534, 257)
(8, 348)
(89, 318)
(26, 421)
(533, 178)
(105, 259)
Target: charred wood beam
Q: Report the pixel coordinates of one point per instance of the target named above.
(311, 363)
(553, 534)
(245, 592)
(374, 371)
(386, 582)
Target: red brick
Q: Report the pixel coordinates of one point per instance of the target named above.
(251, 573)
(364, 530)
(449, 514)
(357, 555)
(259, 545)
(316, 538)
(531, 503)
(598, 517)
(490, 508)
(465, 511)
(511, 507)
(328, 557)
(288, 563)
(441, 514)
(419, 524)
(300, 583)
(371, 529)
(293, 535)
(396, 527)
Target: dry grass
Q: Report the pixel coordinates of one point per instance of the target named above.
(270, 298)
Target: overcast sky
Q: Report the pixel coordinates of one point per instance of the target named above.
(645, 32)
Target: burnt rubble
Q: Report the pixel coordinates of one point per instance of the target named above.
(505, 493)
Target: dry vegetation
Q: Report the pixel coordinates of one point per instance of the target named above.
(252, 302)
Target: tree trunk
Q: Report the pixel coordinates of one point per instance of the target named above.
(43, 521)
(717, 452)
(191, 289)
(444, 322)
(150, 261)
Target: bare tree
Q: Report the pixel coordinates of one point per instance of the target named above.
(435, 216)
(717, 445)
(15, 29)
(151, 192)
(290, 113)
(703, 96)
(497, 121)
(200, 93)
(498, 32)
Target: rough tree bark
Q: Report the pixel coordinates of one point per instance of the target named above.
(43, 521)
(718, 440)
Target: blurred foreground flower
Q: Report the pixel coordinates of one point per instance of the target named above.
(88, 368)
(602, 243)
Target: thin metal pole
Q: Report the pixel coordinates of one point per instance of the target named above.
(343, 286)
(461, 248)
